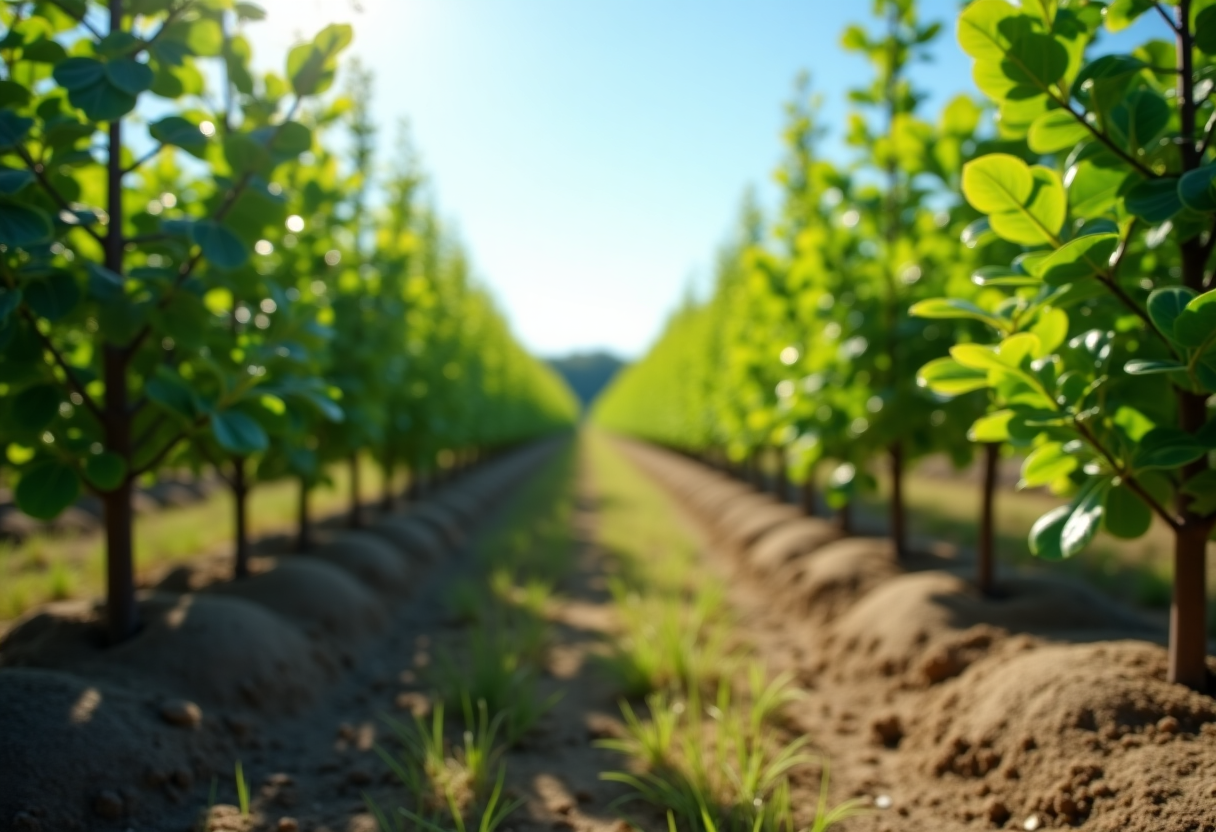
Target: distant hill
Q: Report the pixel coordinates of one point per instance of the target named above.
(587, 373)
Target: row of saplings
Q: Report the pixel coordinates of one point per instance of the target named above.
(1044, 703)
(136, 731)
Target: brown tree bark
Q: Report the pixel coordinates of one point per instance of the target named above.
(899, 524)
(986, 549)
(240, 497)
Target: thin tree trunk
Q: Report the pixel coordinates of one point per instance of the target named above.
(808, 494)
(387, 497)
(304, 521)
(1188, 613)
(844, 518)
(899, 529)
(355, 519)
(122, 614)
(240, 496)
(986, 550)
(783, 478)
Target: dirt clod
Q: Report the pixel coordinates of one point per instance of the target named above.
(288, 825)
(108, 804)
(888, 730)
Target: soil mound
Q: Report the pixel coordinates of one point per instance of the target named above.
(441, 520)
(217, 650)
(70, 744)
(744, 531)
(932, 625)
(321, 598)
(1075, 734)
(782, 544)
(370, 558)
(823, 583)
(417, 540)
(712, 498)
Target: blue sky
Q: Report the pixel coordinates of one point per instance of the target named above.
(593, 153)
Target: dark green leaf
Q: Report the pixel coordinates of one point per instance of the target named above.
(13, 128)
(1079, 259)
(173, 393)
(1085, 516)
(1165, 305)
(1195, 189)
(179, 132)
(1205, 30)
(1196, 324)
(1146, 367)
(46, 489)
(10, 299)
(129, 75)
(1126, 515)
(23, 225)
(246, 154)
(102, 101)
(105, 471)
(118, 43)
(79, 73)
(1167, 448)
(36, 407)
(1154, 200)
(1140, 118)
(54, 296)
(1045, 534)
(14, 181)
(238, 433)
(220, 246)
(104, 285)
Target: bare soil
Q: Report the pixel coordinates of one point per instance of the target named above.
(1044, 708)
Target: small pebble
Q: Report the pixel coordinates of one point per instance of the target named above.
(1031, 823)
(883, 801)
(182, 713)
(288, 825)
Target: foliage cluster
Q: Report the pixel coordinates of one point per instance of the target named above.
(1040, 281)
(192, 275)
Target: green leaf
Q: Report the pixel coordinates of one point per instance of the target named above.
(1034, 62)
(105, 471)
(1148, 367)
(1167, 448)
(992, 427)
(14, 181)
(10, 299)
(1196, 191)
(46, 489)
(1201, 488)
(1025, 205)
(1154, 200)
(105, 285)
(1046, 464)
(23, 225)
(179, 132)
(1055, 131)
(1045, 534)
(1205, 30)
(246, 154)
(36, 407)
(129, 75)
(53, 296)
(13, 128)
(1139, 119)
(102, 101)
(1125, 514)
(220, 246)
(1123, 13)
(1079, 259)
(238, 433)
(1085, 516)
(1093, 190)
(947, 377)
(79, 73)
(169, 390)
(311, 66)
(1166, 305)
(954, 308)
(986, 27)
(1196, 324)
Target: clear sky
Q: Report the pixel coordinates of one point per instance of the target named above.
(593, 153)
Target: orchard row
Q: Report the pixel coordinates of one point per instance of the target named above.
(1027, 271)
(195, 272)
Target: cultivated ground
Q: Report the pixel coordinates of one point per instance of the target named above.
(625, 639)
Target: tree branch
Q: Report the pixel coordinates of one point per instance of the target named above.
(63, 365)
(81, 19)
(1173, 522)
(40, 174)
(1165, 15)
(151, 154)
